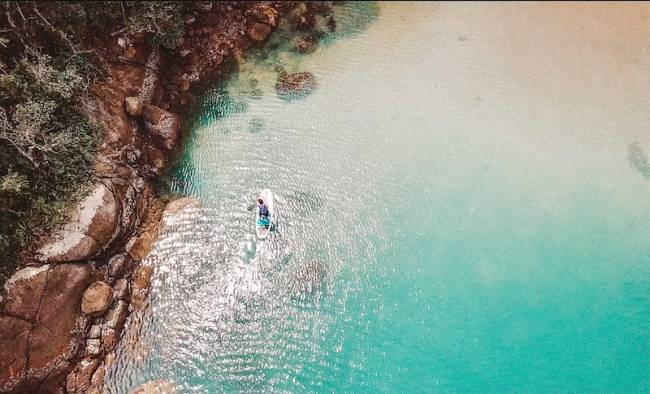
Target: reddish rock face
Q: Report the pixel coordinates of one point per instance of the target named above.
(53, 339)
(259, 31)
(14, 334)
(24, 290)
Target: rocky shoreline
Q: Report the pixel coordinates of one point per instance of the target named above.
(62, 315)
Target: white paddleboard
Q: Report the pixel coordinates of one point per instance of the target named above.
(263, 228)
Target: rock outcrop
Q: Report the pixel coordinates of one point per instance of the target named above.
(36, 347)
(162, 124)
(92, 227)
(23, 292)
(295, 85)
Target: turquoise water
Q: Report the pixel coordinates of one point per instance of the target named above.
(464, 174)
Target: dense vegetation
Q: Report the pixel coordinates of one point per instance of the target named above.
(50, 55)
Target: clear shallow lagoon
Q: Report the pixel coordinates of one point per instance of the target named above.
(463, 171)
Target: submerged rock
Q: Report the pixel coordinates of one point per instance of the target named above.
(156, 387)
(178, 205)
(259, 31)
(295, 85)
(97, 298)
(307, 279)
(305, 44)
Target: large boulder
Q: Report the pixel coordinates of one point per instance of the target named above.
(14, 336)
(295, 85)
(24, 290)
(92, 227)
(259, 31)
(54, 336)
(97, 298)
(164, 125)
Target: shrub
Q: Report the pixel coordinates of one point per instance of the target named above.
(46, 146)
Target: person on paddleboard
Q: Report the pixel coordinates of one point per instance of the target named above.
(264, 210)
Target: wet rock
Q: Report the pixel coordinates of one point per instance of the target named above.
(110, 339)
(97, 298)
(259, 31)
(121, 289)
(306, 21)
(118, 265)
(181, 204)
(141, 283)
(14, 335)
(139, 298)
(109, 359)
(331, 24)
(142, 277)
(162, 124)
(23, 291)
(116, 317)
(79, 380)
(305, 44)
(155, 387)
(97, 379)
(133, 106)
(295, 85)
(93, 347)
(140, 246)
(92, 227)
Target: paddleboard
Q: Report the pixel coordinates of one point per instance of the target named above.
(263, 225)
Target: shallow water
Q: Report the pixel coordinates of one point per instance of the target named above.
(463, 207)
